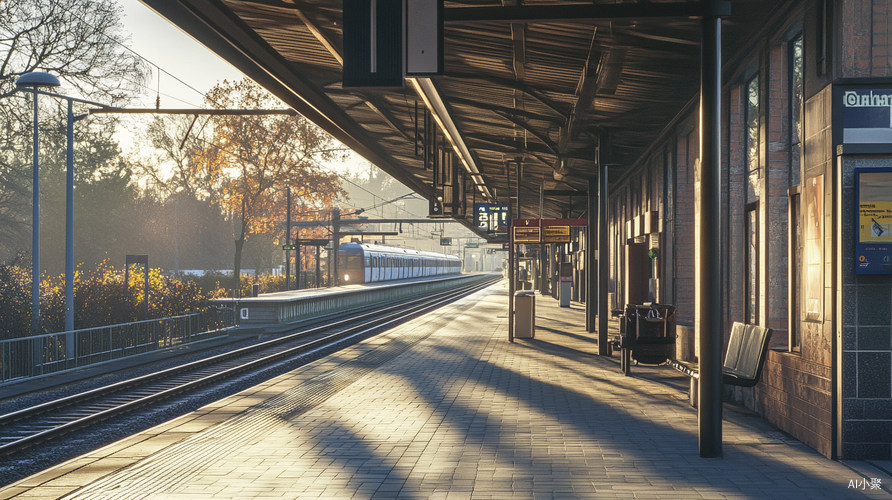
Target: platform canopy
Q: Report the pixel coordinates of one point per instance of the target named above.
(539, 82)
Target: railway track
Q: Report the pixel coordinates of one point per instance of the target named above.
(29, 426)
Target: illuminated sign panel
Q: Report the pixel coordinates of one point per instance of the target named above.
(490, 216)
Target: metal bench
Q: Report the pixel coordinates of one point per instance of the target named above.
(747, 349)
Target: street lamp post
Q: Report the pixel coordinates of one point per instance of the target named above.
(31, 82)
(34, 81)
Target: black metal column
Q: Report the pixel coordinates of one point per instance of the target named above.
(335, 243)
(543, 249)
(297, 262)
(512, 277)
(709, 296)
(288, 239)
(591, 276)
(603, 312)
(512, 267)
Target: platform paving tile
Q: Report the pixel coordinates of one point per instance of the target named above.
(445, 407)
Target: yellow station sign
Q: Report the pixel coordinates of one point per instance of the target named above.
(556, 234)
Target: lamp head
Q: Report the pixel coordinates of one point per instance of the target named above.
(37, 79)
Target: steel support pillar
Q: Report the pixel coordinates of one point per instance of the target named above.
(35, 230)
(512, 267)
(591, 276)
(709, 282)
(336, 242)
(603, 312)
(512, 279)
(288, 239)
(69, 229)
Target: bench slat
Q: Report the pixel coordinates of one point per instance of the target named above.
(747, 349)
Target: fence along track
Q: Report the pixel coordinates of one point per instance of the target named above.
(55, 352)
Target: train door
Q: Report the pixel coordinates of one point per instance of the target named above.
(367, 272)
(376, 267)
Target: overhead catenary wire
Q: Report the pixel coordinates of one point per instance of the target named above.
(158, 94)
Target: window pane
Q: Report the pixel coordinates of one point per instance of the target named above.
(752, 140)
(752, 267)
(796, 265)
(796, 103)
(752, 124)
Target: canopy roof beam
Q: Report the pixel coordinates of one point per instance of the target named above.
(578, 13)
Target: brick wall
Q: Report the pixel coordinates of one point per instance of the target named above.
(864, 29)
(687, 151)
(795, 392)
(776, 273)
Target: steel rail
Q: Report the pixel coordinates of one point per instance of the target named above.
(390, 316)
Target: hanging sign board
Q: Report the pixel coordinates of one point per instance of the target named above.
(313, 242)
(526, 234)
(873, 194)
(490, 216)
(556, 234)
(373, 43)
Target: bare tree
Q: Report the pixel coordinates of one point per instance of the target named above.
(79, 41)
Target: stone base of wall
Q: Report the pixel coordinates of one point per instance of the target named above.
(794, 394)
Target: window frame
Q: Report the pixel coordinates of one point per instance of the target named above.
(752, 268)
(794, 259)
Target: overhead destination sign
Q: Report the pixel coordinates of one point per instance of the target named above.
(490, 216)
(526, 234)
(556, 234)
(313, 242)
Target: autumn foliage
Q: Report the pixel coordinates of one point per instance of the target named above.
(100, 298)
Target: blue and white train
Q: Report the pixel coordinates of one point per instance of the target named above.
(361, 263)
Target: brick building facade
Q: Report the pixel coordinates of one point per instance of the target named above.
(790, 223)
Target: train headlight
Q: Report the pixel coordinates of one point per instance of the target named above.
(346, 277)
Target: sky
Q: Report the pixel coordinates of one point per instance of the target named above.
(175, 53)
(182, 69)
(180, 57)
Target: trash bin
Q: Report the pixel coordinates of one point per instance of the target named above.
(524, 315)
(649, 332)
(255, 290)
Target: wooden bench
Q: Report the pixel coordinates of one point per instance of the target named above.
(747, 349)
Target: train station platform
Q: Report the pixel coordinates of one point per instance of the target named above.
(445, 407)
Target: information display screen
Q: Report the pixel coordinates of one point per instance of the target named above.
(491, 216)
(874, 198)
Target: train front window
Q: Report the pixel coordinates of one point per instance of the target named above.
(350, 262)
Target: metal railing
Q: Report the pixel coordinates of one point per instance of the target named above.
(54, 352)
